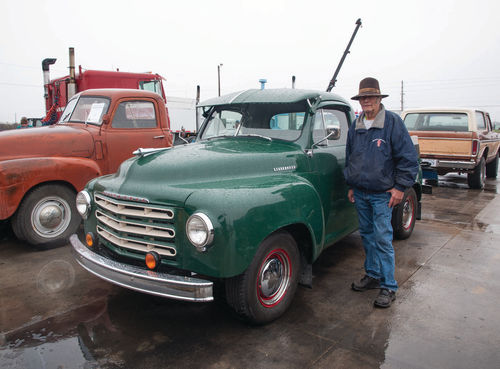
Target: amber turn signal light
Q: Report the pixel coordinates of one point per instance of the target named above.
(89, 239)
(152, 260)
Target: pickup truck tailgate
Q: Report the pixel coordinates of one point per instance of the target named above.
(437, 144)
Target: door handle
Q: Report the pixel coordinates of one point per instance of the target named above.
(159, 136)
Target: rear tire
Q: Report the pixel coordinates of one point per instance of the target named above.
(404, 215)
(492, 168)
(266, 289)
(477, 177)
(47, 216)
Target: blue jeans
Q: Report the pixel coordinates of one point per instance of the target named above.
(375, 227)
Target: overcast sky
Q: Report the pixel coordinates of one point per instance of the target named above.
(446, 52)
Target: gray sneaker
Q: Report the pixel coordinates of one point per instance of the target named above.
(385, 298)
(366, 283)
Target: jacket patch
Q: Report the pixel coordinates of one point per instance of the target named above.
(379, 141)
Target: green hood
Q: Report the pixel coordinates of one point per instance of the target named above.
(170, 176)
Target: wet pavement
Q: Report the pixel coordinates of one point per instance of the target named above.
(53, 314)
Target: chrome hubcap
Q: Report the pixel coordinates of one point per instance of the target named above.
(408, 209)
(271, 277)
(51, 217)
(274, 278)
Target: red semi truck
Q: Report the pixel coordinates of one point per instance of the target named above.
(58, 92)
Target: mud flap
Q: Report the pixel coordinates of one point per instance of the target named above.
(419, 211)
(306, 276)
(427, 189)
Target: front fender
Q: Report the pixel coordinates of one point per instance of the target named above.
(18, 176)
(244, 214)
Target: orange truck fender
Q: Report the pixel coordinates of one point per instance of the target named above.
(19, 176)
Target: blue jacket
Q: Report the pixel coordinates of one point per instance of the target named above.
(381, 157)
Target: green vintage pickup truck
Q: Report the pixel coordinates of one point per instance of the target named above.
(248, 207)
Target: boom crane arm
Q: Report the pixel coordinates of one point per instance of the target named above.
(334, 78)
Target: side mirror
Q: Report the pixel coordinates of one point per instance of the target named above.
(105, 119)
(333, 132)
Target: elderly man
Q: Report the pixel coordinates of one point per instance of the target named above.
(24, 123)
(381, 163)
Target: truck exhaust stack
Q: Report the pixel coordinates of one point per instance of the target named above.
(71, 84)
(46, 63)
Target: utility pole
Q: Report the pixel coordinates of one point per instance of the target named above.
(402, 97)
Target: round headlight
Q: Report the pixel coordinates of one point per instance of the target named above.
(83, 203)
(200, 231)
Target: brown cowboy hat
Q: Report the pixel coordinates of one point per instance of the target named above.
(368, 87)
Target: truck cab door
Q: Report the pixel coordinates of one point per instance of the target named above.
(133, 124)
(327, 164)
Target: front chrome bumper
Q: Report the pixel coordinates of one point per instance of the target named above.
(146, 281)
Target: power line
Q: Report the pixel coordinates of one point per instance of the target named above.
(20, 66)
(20, 84)
(58, 68)
(450, 83)
(414, 104)
(458, 87)
(459, 80)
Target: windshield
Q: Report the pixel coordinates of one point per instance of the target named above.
(458, 122)
(153, 86)
(85, 109)
(271, 121)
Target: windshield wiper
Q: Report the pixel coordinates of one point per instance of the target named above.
(255, 135)
(241, 135)
(209, 138)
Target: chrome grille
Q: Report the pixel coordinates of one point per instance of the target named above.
(135, 226)
(132, 209)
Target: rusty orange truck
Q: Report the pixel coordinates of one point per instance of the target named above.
(455, 140)
(42, 169)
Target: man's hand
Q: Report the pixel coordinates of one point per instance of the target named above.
(350, 195)
(396, 197)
